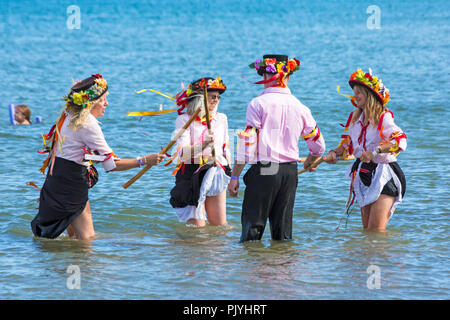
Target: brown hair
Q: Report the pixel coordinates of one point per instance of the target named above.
(372, 108)
(25, 110)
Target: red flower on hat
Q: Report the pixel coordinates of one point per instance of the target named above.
(97, 76)
(292, 65)
(367, 75)
(297, 61)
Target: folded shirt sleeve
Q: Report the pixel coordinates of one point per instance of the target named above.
(312, 135)
(247, 138)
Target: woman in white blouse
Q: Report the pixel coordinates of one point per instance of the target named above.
(200, 188)
(75, 140)
(373, 137)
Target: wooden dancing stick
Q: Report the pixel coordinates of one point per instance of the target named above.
(208, 124)
(165, 150)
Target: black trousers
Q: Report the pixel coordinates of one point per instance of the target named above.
(269, 193)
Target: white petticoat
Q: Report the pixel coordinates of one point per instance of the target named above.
(367, 195)
(214, 183)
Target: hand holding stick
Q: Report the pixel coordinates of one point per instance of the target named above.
(322, 159)
(314, 165)
(208, 124)
(165, 150)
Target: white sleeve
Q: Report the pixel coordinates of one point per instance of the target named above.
(94, 139)
(393, 133)
(185, 138)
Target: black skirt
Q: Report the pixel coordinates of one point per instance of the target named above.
(187, 185)
(367, 171)
(63, 198)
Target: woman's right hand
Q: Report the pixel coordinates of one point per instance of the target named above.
(208, 141)
(154, 159)
(331, 157)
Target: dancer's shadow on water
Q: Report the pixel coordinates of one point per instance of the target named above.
(190, 233)
(63, 244)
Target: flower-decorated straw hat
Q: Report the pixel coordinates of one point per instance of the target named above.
(373, 83)
(86, 91)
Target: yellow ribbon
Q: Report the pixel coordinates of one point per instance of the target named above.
(345, 95)
(150, 113)
(245, 134)
(312, 134)
(169, 96)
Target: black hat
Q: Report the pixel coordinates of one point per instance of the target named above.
(280, 58)
(86, 91)
(211, 84)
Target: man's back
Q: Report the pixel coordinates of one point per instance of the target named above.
(281, 120)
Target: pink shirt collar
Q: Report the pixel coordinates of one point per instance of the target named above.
(276, 90)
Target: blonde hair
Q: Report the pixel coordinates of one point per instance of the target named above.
(372, 108)
(79, 116)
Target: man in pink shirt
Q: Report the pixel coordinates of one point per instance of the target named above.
(275, 122)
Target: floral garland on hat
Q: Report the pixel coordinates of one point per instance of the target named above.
(271, 65)
(281, 69)
(211, 84)
(196, 87)
(84, 98)
(371, 82)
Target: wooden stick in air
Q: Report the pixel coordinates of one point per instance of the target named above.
(163, 151)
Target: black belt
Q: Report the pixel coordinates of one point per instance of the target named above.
(270, 163)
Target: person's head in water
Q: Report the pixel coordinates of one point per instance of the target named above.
(22, 114)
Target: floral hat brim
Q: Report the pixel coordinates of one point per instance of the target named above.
(373, 83)
(196, 87)
(274, 63)
(210, 83)
(83, 93)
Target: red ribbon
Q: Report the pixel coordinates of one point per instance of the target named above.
(275, 77)
(380, 123)
(348, 120)
(362, 135)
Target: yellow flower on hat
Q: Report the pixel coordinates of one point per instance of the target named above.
(280, 67)
(78, 98)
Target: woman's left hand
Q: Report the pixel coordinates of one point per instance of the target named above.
(367, 156)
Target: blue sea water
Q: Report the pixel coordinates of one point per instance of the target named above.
(142, 251)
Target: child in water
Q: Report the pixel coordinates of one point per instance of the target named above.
(22, 115)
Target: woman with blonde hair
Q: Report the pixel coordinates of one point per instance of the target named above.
(202, 175)
(378, 183)
(73, 143)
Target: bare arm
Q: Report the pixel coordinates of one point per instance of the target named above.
(233, 186)
(127, 164)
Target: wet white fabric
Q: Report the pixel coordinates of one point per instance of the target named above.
(214, 183)
(368, 194)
